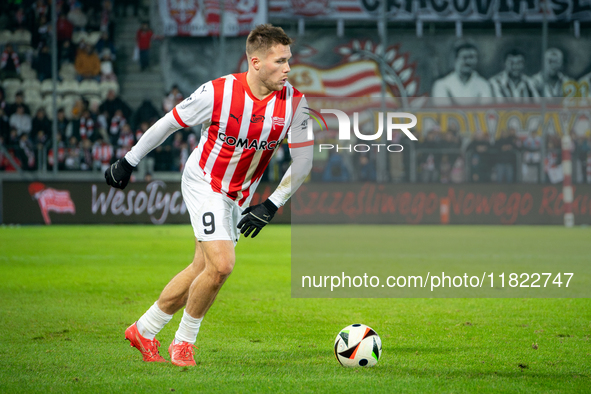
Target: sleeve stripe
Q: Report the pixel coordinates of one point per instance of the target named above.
(301, 144)
(178, 118)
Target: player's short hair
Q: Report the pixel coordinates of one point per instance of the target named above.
(463, 45)
(264, 37)
(514, 53)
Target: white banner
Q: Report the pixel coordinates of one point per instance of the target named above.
(202, 17)
(433, 10)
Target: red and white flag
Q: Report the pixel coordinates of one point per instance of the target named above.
(51, 200)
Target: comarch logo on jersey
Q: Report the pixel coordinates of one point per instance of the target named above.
(344, 124)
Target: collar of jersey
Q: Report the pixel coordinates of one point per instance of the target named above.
(242, 79)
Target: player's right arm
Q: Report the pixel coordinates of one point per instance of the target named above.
(195, 109)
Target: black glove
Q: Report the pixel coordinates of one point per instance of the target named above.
(119, 173)
(256, 218)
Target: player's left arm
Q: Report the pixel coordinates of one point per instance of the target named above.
(301, 147)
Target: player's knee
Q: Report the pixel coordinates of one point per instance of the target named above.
(224, 268)
(221, 268)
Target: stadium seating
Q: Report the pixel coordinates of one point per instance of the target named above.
(68, 87)
(34, 105)
(11, 86)
(93, 37)
(89, 87)
(46, 87)
(67, 72)
(93, 100)
(106, 86)
(47, 103)
(5, 37)
(31, 85)
(21, 37)
(68, 103)
(27, 72)
(79, 36)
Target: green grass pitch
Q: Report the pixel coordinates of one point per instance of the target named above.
(67, 293)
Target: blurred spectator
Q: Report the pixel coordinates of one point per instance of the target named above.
(145, 113)
(116, 125)
(552, 161)
(87, 63)
(67, 53)
(173, 98)
(78, 18)
(531, 146)
(87, 127)
(396, 160)
(9, 63)
(506, 147)
(580, 158)
(444, 169)
(146, 165)
(123, 5)
(63, 124)
(163, 156)
(61, 155)
(335, 170)
(113, 103)
(193, 142)
(73, 155)
(79, 107)
(427, 160)
(102, 154)
(27, 153)
(41, 126)
(367, 170)
(102, 121)
(105, 43)
(457, 171)
(65, 29)
(21, 121)
(41, 9)
(21, 20)
(479, 151)
(12, 137)
(86, 158)
(176, 151)
(4, 125)
(144, 42)
(125, 141)
(19, 101)
(3, 103)
(107, 72)
(43, 64)
(106, 24)
(41, 35)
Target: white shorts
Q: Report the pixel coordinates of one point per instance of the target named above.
(214, 217)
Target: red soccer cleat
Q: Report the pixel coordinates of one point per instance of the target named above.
(148, 348)
(181, 354)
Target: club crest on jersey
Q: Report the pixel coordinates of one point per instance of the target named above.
(247, 143)
(278, 122)
(257, 118)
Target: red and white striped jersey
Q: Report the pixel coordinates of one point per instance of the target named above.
(240, 132)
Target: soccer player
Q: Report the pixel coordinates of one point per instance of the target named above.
(464, 80)
(245, 117)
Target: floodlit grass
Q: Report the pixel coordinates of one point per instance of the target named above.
(69, 292)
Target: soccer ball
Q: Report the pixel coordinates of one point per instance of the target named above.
(358, 345)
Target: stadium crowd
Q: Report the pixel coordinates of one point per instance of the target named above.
(454, 157)
(97, 127)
